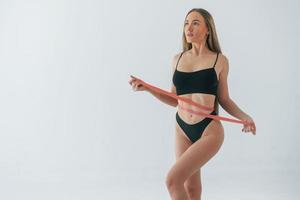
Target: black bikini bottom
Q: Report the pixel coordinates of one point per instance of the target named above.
(194, 131)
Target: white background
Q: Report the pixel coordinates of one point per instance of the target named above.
(72, 127)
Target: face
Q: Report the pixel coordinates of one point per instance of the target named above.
(195, 29)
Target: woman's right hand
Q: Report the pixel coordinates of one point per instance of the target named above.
(136, 86)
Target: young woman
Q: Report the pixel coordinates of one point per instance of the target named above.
(200, 74)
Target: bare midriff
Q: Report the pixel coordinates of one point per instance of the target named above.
(206, 100)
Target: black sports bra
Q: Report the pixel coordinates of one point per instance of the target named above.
(200, 81)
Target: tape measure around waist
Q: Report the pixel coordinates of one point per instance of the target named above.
(216, 117)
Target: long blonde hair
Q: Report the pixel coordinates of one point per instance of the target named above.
(211, 41)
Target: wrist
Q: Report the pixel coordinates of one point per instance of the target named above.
(245, 116)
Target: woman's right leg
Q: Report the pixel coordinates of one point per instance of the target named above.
(193, 184)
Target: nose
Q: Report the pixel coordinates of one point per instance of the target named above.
(190, 28)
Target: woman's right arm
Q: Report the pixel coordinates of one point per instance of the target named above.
(164, 98)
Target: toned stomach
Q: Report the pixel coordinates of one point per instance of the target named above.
(202, 99)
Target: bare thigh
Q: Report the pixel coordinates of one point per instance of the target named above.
(182, 143)
(196, 155)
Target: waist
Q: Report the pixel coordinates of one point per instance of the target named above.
(197, 111)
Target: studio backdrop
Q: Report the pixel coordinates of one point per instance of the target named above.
(73, 128)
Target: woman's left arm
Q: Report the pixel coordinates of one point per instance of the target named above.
(227, 103)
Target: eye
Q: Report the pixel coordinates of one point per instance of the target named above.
(194, 23)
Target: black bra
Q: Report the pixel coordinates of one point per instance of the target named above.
(200, 81)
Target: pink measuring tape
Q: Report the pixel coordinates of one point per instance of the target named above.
(158, 90)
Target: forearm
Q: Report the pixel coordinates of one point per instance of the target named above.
(231, 107)
(164, 98)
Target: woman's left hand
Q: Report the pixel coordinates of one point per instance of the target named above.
(249, 126)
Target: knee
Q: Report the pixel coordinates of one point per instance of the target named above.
(193, 191)
(173, 183)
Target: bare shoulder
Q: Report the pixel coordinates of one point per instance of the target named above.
(223, 60)
(174, 62)
(223, 63)
(175, 59)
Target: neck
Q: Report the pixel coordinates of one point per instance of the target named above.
(200, 48)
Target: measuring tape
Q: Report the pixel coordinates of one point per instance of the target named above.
(216, 117)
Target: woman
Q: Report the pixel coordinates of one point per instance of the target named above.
(200, 74)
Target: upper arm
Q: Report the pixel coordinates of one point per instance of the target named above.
(223, 93)
(174, 62)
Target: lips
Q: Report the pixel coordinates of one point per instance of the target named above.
(190, 35)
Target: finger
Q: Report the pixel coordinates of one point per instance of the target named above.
(248, 129)
(132, 81)
(251, 126)
(136, 82)
(254, 129)
(134, 77)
